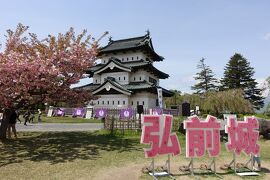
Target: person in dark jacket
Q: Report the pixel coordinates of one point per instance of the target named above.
(12, 123)
(26, 116)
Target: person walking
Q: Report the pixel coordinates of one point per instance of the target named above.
(26, 116)
(18, 116)
(12, 123)
(31, 116)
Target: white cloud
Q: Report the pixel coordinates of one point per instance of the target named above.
(266, 36)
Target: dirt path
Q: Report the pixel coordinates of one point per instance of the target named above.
(132, 171)
(45, 127)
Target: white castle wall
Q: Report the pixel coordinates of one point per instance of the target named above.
(142, 75)
(148, 100)
(120, 77)
(111, 101)
(125, 57)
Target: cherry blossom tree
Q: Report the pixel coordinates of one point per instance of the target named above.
(34, 71)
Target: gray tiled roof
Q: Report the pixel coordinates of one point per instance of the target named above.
(143, 43)
(124, 44)
(138, 85)
(131, 87)
(134, 65)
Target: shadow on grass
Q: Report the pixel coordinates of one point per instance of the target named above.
(265, 170)
(60, 147)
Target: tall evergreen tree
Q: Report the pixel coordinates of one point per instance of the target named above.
(239, 74)
(205, 77)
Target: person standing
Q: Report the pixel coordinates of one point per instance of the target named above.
(12, 123)
(39, 115)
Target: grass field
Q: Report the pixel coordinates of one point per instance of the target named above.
(96, 155)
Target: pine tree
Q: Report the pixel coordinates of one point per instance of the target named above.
(205, 77)
(239, 74)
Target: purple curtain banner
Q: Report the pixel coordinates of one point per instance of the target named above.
(157, 111)
(126, 113)
(101, 113)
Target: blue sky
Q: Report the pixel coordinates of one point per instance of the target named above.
(182, 31)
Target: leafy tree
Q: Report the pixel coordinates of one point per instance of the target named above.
(175, 100)
(205, 77)
(239, 74)
(34, 71)
(226, 101)
(178, 99)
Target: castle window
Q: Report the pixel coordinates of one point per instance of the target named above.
(119, 78)
(118, 102)
(113, 102)
(127, 59)
(124, 77)
(143, 103)
(137, 102)
(140, 78)
(134, 78)
(102, 102)
(98, 102)
(132, 58)
(132, 103)
(108, 102)
(124, 102)
(122, 59)
(137, 57)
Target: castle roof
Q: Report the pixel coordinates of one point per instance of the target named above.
(115, 65)
(110, 86)
(143, 43)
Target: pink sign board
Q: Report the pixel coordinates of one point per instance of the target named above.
(156, 132)
(201, 136)
(243, 135)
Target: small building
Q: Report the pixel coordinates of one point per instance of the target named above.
(126, 76)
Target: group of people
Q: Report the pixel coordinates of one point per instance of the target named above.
(15, 115)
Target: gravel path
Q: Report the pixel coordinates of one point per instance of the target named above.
(42, 127)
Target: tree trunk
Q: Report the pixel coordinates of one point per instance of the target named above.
(4, 124)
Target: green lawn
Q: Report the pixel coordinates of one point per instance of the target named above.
(94, 155)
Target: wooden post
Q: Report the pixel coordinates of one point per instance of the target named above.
(153, 166)
(140, 121)
(214, 159)
(252, 162)
(169, 164)
(234, 162)
(192, 167)
(112, 124)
